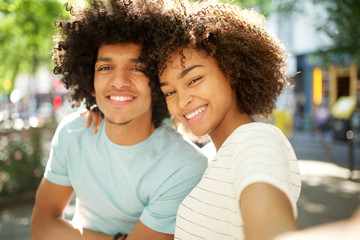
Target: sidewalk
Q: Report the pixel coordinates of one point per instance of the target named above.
(327, 193)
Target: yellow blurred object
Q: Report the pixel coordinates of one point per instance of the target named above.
(283, 119)
(6, 84)
(317, 88)
(343, 107)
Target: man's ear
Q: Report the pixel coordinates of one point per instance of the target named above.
(93, 94)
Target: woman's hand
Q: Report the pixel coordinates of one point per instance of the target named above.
(95, 118)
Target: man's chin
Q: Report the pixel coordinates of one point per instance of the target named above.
(118, 122)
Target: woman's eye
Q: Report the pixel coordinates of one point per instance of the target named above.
(194, 80)
(168, 94)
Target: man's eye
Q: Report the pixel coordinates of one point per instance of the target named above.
(104, 68)
(138, 69)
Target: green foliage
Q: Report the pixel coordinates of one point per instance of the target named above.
(20, 166)
(21, 159)
(26, 29)
(263, 6)
(339, 21)
(342, 26)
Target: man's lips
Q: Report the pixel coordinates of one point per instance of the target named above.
(120, 98)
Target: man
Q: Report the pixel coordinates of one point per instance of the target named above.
(130, 177)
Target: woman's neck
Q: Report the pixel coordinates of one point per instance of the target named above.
(227, 127)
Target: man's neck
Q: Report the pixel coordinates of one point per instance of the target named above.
(130, 133)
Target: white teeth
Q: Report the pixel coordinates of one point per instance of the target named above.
(121, 98)
(197, 112)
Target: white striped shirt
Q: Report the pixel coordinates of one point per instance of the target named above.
(254, 152)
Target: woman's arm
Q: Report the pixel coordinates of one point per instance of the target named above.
(95, 118)
(266, 212)
(347, 229)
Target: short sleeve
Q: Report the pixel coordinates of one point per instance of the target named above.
(263, 159)
(160, 213)
(56, 167)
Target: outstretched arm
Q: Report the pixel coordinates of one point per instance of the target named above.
(47, 221)
(347, 229)
(266, 212)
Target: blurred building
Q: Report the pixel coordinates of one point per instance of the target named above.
(317, 87)
(36, 99)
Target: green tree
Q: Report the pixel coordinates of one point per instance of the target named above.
(263, 6)
(26, 27)
(342, 26)
(339, 21)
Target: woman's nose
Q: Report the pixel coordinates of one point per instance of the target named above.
(184, 99)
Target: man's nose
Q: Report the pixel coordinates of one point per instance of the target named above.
(121, 79)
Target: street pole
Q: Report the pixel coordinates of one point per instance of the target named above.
(350, 137)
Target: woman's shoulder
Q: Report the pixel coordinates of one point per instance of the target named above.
(258, 129)
(254, 134)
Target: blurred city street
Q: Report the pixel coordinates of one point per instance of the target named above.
(327, 193)
(319, 111)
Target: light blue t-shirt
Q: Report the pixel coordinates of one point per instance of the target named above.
(116, 185)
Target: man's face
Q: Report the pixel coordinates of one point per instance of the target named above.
(122, 90)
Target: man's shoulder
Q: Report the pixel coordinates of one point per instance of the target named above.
(73, 123)
(178, 148)
(74, 119)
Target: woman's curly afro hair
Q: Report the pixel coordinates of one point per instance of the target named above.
(102, 23)
(253, 59)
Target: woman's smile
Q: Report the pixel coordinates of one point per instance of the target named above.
(195, 115)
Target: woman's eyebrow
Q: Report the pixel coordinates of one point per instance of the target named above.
(183, 73)
(187, 70)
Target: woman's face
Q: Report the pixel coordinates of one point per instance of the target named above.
(198, 93)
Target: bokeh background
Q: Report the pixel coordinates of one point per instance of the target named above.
(319, 112)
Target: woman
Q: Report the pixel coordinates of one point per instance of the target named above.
(217, 74)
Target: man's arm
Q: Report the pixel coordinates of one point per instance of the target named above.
(142, 232)
(47, 221)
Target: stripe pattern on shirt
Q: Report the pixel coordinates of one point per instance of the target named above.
(211, 210)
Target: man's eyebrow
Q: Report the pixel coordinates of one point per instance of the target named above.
(187, 70)
(103, 59)
(108, 59)
(135, 60)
